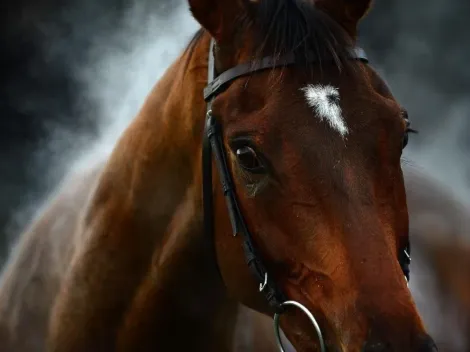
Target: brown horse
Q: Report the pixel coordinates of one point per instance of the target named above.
(311, 139)
(315, 160)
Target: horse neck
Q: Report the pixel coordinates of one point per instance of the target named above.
(183, 294)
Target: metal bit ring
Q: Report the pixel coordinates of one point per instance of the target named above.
(309, 315)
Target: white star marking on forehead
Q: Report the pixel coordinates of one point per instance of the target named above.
(325, 102)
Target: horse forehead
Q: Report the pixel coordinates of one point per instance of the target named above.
(290, 102)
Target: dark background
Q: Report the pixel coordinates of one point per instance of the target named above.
(421, 47)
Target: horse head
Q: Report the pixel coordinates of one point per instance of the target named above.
(307, 140)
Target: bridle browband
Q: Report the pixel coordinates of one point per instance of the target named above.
(213, 145)
(216, 84)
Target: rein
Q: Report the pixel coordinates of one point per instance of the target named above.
(213, 146)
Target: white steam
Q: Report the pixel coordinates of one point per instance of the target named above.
(115, 59)
(120, 70)
(423, 53)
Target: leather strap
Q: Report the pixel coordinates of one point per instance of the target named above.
(215, 85)
(268, 288)
(213, 146)
(404, 258)
(207, 199)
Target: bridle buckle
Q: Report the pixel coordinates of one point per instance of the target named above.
(262, 285)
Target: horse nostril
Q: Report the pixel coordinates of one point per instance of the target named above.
(426, 344)
(375, 346)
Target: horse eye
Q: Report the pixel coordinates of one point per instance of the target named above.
(249, 160)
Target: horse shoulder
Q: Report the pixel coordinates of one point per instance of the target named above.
(37, 263)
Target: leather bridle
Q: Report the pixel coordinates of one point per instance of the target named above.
(213, 145)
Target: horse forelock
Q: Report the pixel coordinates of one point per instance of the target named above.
(295, 26)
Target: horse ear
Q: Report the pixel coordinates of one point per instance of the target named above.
(348, 13)
(219, 17)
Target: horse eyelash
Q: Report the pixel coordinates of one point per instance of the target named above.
(408, 124)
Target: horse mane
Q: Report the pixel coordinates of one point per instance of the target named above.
(297, 26)
(191, 46)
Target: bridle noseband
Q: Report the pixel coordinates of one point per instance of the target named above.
(213, 145)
